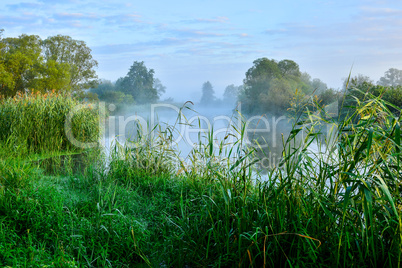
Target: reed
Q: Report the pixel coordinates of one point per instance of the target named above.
(35, 122)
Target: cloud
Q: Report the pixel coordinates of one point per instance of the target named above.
(217, 19)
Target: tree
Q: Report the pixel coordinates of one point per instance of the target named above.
(392, 77)
(21, 59)
(160, 89)
(230, 95)
(289, 68)
(208, 94)
(139, 83)
(58, 63)
(269, 85)
(356, 81)
(65, 51)
(6, 78)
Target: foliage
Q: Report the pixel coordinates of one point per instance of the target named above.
(357, 80)
(269, 86)
(390, 94)
(231, 94)
(208, 94)
(57, 63)
(106, 91)
(392, 77)
(140, 83)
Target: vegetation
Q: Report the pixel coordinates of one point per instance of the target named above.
(138, 86)
(57, 63)
(270, 85)
(36, 123)
(208, 94)
(340, 206)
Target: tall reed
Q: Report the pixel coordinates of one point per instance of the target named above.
(35, 122)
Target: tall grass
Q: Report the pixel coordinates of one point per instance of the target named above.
(35, 122)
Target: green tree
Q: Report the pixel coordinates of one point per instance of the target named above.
(139, 83)
(21, 59)
(6, 78)
(208, 94)
(269, 85)
(392, 77)
(57, 63)
(65, 51)
(289, 68)
(318, 86)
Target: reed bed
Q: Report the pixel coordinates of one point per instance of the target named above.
(35, 122)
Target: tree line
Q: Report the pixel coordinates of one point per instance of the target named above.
(270, 86)
(276, 87)
(139, 86)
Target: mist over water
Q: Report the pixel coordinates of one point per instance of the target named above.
(192, 125)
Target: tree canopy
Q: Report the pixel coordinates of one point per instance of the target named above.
(139, 86)
(57, 63)
(140, 83)
(269, 85)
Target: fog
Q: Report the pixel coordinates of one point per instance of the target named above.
(192, 123)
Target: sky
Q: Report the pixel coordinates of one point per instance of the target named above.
(190, 42)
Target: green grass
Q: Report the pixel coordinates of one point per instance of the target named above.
(144, 209)
(35, 123)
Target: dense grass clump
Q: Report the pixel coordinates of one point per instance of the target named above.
(36, 123)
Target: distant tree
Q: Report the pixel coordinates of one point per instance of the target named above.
(289, 68)
(160, 89)
(231, 94)
(318, 86)
(392, 77)
(208, 94)
(269, 85)
(327, 96)
(106, 91)
(356, 81)
(139, 83)
(103, 87)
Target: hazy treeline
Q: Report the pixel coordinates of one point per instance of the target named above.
(138, 86)
(277, 87)
(271, 86)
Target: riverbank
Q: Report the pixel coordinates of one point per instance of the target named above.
(139, 210)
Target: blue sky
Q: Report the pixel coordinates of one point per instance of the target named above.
(190, 42)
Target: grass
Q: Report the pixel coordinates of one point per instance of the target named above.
(148, 207)
(38, 123)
